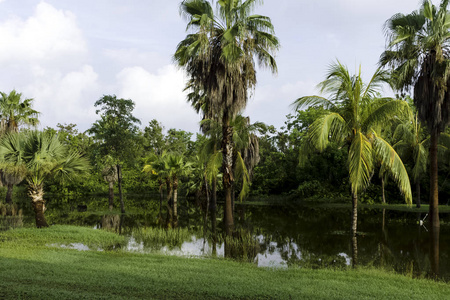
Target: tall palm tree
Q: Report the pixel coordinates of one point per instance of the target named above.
(354, 114)
(219, 58)
(38, 156)
(14, 112)
(418, 52)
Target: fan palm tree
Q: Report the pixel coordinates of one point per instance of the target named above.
(38, 156)
(219, 58)
(14, 112)
(354, 114)
(418, 52)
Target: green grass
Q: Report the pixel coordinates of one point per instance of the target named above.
(34, 271)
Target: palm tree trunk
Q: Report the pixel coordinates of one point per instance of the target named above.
(213, 205)
(207, 206)
(36, 194)
(119, 181)
(111, 195)
(227, 166)
(418, 193)
(434, 200)
(175, 196)
(169, 205)
(9, 192)
(354, 228)
(382, 190)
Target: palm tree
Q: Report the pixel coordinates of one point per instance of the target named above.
(354, 114)
(14, 112)
(38, 156)
(176, 166)
(109, 173)
(418, 52)
(219, 58)
(412, 143)
(157, 170)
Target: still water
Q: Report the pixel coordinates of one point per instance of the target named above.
(269, 235)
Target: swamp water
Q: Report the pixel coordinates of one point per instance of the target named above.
(267, 235)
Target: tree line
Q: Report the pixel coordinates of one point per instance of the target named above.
(348, 136)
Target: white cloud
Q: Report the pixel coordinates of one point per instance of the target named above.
(50, 36)
(67, 98)
(158, 96)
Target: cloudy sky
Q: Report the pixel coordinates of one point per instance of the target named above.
(66, 54)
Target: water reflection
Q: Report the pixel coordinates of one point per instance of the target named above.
(275, 236)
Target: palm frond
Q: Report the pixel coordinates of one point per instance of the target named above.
(360, 162)
(393, 163)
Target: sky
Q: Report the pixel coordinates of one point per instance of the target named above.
(67, 54)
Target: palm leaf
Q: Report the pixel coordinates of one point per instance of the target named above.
(389, 158)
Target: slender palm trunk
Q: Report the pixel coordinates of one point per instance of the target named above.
(434, 200)
(382, 190)
(213, 204)
(161, 195)
(119, 181)
(36, 193)
(207, 206)
(169, 205)
(175, 199)
(354, 228)
(111, 195)
(9, 192)
(418, 193)
(227, 166)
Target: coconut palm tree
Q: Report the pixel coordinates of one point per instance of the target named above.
(354, 114)
(37, 156)
(219, 59)
(14, 112)
(418, 52)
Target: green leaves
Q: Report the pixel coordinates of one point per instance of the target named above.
(390, 159)
(360, 162)
(38, 156)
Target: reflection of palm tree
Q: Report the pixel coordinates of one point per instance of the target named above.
(219, 57)
(38, 156)
(418, 52)
(354, 114)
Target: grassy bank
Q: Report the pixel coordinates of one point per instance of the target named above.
(34, 268)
